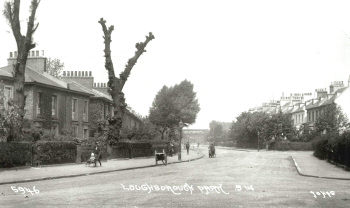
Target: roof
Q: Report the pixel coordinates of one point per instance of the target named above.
(34, 77)
(334, 97)
(324, 102)
(95, 93)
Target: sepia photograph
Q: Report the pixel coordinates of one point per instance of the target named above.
(160, 103)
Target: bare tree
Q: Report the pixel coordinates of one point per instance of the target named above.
(116, 84)
(24, 45)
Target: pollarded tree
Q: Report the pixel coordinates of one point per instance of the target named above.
(24, 45)
(116, 84)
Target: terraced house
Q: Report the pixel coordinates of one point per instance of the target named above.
(73, 102)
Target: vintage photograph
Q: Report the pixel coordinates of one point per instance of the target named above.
(154, 103)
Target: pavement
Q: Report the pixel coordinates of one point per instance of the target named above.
(29, 174)
(306, 164)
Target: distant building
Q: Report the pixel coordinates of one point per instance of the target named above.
(195, 135)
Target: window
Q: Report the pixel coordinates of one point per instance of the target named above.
(105, 111)
(54, 106)
(75, 130)
(55, 129)
(302, 118)
(85, 111)
(39, 104)
(86, 135)
(75, 109)
(7, 96)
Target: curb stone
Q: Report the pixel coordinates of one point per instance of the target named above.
(94, 173)
(313, 176)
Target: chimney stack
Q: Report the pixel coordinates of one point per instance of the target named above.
(79, 77)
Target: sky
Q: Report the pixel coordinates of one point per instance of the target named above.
(238, 54)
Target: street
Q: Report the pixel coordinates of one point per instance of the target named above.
(232, 179)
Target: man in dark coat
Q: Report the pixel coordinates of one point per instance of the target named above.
(98, 153)
(187, 147)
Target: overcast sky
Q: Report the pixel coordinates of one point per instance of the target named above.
(237, 54)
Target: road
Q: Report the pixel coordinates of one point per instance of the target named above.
(232, 179)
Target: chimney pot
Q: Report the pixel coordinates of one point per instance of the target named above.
(64, 73)
(42, 53)
(79, 73)
(37, 53)
(90, 74)
(10, 54)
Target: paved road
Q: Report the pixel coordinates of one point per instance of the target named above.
(271, 178)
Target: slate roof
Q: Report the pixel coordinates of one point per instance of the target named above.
(334, 97)
(34, 77)
(300, 109)
(328, 101)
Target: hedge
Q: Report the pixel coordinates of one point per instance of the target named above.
(14, 154)
(287, 145)
(54, 152)
(334, 148)
(133, 148)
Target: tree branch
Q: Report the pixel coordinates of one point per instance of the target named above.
(128, 67)
(108, 62)
(30, 25)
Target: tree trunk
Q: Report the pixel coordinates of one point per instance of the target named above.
(116, 84)
(24, 45)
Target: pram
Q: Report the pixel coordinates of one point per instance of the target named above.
(212, 153)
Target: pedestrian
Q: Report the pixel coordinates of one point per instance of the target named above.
(170, 149)
(98, 153)
(187, 147)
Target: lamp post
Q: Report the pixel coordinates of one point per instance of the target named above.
(258, 142)
(181, 125)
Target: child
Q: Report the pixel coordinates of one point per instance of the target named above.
(92, 158)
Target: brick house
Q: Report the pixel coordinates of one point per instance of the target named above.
(58, 104)
(101, 103)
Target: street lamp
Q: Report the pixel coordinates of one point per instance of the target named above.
(181, 125)
(258, 142)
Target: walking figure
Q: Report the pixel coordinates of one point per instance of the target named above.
(187, 147)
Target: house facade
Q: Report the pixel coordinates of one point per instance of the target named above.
(58, 104)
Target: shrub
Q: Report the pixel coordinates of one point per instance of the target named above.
(54, 152)
(14, 154)
(319, 144)
(333, 147)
